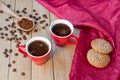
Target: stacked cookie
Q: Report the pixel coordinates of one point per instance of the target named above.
(99, 56)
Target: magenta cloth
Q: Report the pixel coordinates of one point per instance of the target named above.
(96, 19)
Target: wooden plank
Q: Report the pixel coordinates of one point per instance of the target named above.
(62, 57)
(5, 44)
(45, 71)
(20, 63)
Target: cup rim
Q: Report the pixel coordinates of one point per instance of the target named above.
(41, 39)
(63, 21)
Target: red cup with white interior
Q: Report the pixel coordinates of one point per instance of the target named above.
(37, 49)
(62, 32)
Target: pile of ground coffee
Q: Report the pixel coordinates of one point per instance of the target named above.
(25, 23)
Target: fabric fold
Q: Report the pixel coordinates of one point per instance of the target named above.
(96, 19)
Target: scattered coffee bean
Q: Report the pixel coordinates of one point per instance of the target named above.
(6, 50)
(15, 35)
(25, 9)
(35, 22)
(14, 70)
(10, 17)
(43, 27)
(17, 45)
(1, 11)
(2, 37)
(10, 39)
(42, 21)
(35, 30)
(0, 28)
(45, 16)
(34, 17)
(17, 11)
(19, 38)
(6, 55)
(34, 10)
(9, 25)
(5, 27)
(2, 33)
(24, 37)
(23, 73)
(30, 16)
(20, 15)
(6, 19)
(8, 5)
(13, 61)
(46, 24)
(10, 50)
(16, 54)
(9, 65)
(36, 13)
(6, 34)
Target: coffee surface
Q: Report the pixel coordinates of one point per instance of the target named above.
(61, 30)
(38, 48)
(25, 23)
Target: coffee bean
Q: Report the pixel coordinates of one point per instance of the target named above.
(34, 17)
(1, 11)
(46, 24)
(15, 35)
(14, 70)
(9, 65)
(35, 30)
(35, 22)
(36, 13)
(17, 11)
(6, 55)
(30, 16)
(43, 27)
(25, 9)
(17, 45)
(8, 5)
(23, 73)
(45, 16)
(24, 37)
(5, 27)
(16, 54)
(10, 17)
(20, 15)
(14, 31)
(42, 21)
(10, 39)
(0, 28)
(2, 37)
(6, 34)
(19, 38)
(34, 10)
(9, 25)
(2, 33)
(14, 62)
(6, 50)
(10, 50)
(6, 19)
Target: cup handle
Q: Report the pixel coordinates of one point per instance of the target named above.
(22, 50)
(73, 40)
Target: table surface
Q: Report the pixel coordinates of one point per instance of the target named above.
(15, 66)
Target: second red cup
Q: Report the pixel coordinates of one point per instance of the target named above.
(61, 31)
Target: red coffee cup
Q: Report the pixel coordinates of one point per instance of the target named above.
(64, 39)
(23, 49)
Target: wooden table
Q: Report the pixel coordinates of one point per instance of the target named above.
(13, 65)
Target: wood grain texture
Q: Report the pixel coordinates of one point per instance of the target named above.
(59, 64)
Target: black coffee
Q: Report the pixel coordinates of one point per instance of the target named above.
(38, 48)
(61, 29)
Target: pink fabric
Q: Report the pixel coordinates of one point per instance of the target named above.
(96, 19)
